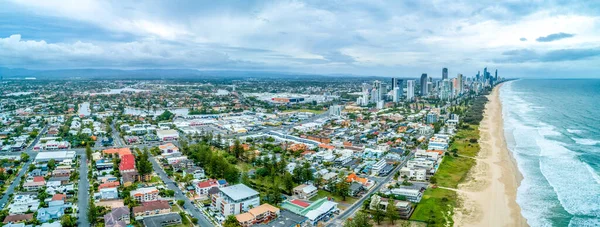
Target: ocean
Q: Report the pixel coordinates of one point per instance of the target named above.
(552, 128)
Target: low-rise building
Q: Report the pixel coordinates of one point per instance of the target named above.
(203, 187)
(117, 217)
(151, 208)
(144, 194)
(261, 214)
(411, 194)
(305, 191)
(315, 212)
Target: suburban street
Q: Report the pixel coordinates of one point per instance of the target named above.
(83, 195)
(339, 219)
(23, 169)
(179, 195)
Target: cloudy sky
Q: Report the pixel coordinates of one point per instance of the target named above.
(383, 38)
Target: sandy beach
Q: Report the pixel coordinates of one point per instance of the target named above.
(488, 196)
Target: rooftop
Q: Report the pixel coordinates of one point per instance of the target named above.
(239, 191)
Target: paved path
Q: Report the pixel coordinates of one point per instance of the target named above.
(83, 193)
(189, 207)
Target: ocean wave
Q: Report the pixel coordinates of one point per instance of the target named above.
(556, 183)
(575, 131)
(584, 222)
(587, 142)
(578, 195)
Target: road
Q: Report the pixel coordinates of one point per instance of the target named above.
(179, 195)
(17, 180)
(338, 220)
(83, 193)
(116, 135)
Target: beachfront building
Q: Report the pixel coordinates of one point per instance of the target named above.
(411, 194)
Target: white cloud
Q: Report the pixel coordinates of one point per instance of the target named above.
(333, 36)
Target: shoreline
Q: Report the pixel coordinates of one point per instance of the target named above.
(488, 195)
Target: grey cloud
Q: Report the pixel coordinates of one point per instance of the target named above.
(528, 55)
(554, 37)
(523, 39)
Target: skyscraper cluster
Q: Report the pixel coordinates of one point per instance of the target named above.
(444, 89)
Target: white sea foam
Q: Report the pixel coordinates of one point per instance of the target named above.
(575, 131)
(587, 142)
(584, 222)
(564, 171)
(555, 180)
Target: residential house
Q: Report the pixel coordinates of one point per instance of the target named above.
(54, 211)
(404, 208)
(355, 189)
(203, 187)
(24, 202)
(17, 218)
(108, 193)
(117, 217)
(168, 149)
(305, 191)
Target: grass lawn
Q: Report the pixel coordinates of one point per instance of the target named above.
(436, 207)
(323, 193)
(462, 143)
(453, 170)
(306, 110)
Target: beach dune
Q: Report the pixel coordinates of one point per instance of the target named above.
(488, 196)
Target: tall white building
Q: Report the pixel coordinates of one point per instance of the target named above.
(335, 110)
(380, 104)
(396, 94)
(235, 199)
(410, 90)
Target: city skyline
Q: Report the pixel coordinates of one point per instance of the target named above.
(384, 39)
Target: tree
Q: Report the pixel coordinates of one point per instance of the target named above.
(238, 149)
(51, 164)
(24, 157)
(92, 212)
(359, 220)
(245, 178)
(180, 203)
(88, 151)
(288, 182)
(231, 221)
(68, 221)
(342, 189)
(391, 213)
(165, 116)
(378, 213)
(144, 166)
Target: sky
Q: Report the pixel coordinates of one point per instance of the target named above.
(376, 38)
